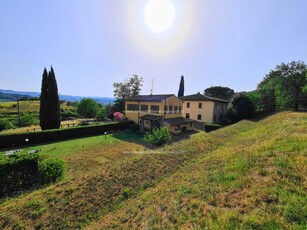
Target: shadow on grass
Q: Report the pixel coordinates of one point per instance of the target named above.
(133, 137)
(137, 138)
(183, 136)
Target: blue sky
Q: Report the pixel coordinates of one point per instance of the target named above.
(92, 44)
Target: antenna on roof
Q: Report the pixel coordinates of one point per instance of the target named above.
(152, 85)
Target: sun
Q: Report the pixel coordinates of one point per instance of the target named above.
(159, 15)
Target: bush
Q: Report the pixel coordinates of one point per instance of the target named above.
(118, 116)
(29, 119)
(18, 172)
(50, 170)
(211, 127)
(7, 124)
(158, 136)
(67, 114)
(23, 171)
(126, 193)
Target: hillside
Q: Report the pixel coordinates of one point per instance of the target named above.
(29, 114)
(12, 95)
(10, 108)
(250, 175)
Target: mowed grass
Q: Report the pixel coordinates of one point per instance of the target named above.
(251, 175)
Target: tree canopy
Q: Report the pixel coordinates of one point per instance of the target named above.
(242, 107)
(129, 88)
(220, 92)
(284, 87)
(87, 108)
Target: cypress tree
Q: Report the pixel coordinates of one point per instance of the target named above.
(43, 113)
(54, 104)
(181, 87)
(49, 102)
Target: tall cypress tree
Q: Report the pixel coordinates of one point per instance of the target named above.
(49, 106)
(43, 110)
(54, 104)
(181, 87)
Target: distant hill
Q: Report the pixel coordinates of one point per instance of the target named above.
(12, 95)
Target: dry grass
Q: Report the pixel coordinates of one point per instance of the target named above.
(8, 110)
(25, 107)
(251, 175)
(256, 179)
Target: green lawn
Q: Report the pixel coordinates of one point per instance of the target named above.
(251, 175)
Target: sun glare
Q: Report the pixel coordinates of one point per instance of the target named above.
(159, 27)
(159, 15)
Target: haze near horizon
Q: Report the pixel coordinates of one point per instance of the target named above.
(93, 44)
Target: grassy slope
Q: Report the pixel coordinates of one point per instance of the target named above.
(248, 175)
(256, 179)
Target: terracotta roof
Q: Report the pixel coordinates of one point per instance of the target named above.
(150, 117)
(201, 97)
(178, 121)
(153, 98)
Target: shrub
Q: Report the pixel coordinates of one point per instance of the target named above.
(158, 136)
(211, 127)
(23, 171)
(29, 119)
(7, 124)
(18, 172)
(50, 170)
(126, 193)
(67, 114)
(118, 116)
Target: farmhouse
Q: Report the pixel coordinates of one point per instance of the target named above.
(203, 108)
(157, 110)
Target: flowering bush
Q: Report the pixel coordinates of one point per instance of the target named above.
(118, 116)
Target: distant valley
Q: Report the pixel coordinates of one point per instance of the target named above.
(11, 95)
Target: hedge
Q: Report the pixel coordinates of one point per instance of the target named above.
(211, 127)
(18, 172)
(18, 139)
